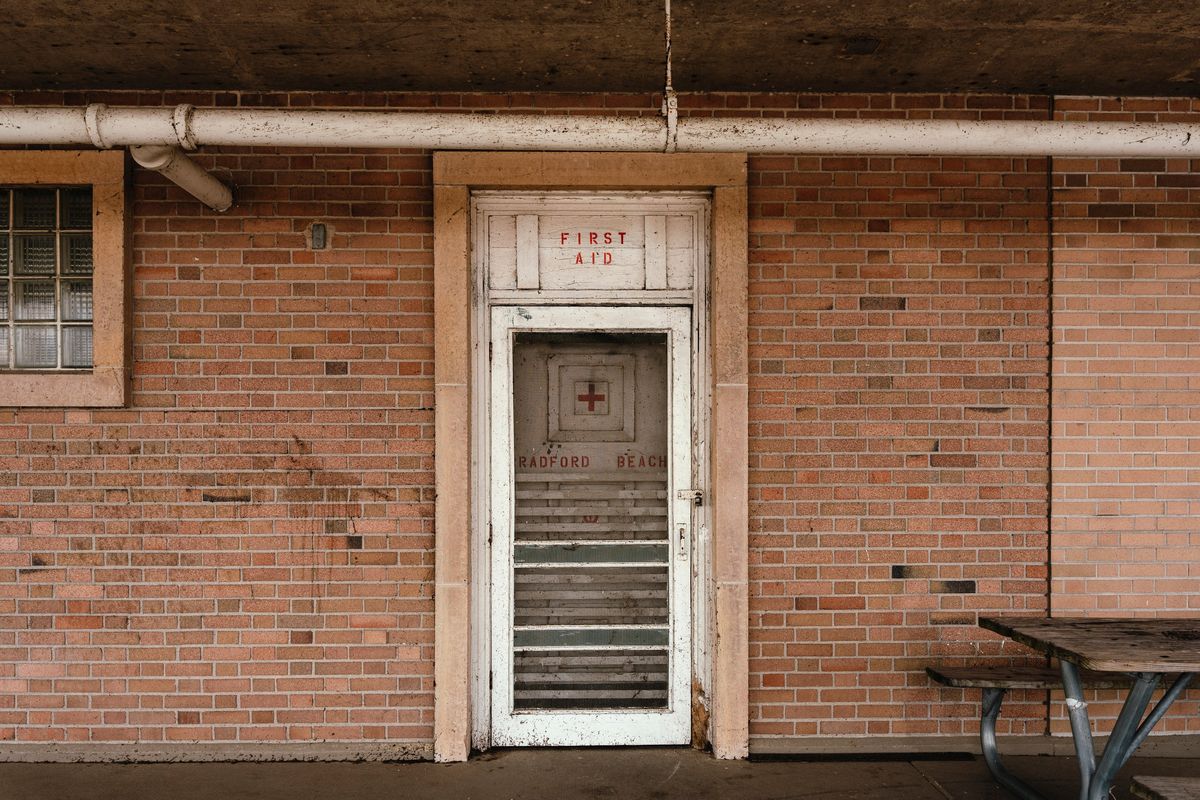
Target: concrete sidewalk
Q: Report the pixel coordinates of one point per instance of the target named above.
(593, 774)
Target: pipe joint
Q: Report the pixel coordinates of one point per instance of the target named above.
(91, 122)
(671, 112)
(173, 164)
(153, 156)
(181, 122)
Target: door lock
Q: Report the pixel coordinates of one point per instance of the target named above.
(683, 543)
(695, 495)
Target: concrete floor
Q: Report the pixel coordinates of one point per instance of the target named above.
(594, 774)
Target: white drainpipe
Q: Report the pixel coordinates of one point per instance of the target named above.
(187, 128)
(177, 167)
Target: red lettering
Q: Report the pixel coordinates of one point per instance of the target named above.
(607, 257)
(579, 258)
(562, 237)
(587, 460)
(592, 238)
(620, 462)
(521, 462)
(579, 238)
(608, 237)
(593, 256)
(622, 235)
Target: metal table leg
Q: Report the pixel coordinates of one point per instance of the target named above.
(1129, 731)
(1081, 729)
(992, 698)
(1121, 742)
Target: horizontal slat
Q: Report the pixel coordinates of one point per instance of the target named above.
(634, 576)
(590, 676)
(621, 553)
(557, 638)
(611, 690)
(526, 510)
(573, 659)
(591, 493)
(588, 527)
(568, 594)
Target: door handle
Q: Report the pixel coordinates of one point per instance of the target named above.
(683, 542)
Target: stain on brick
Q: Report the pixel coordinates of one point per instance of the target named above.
(38, 563)
(354, 542)
(952, 587)
(1143, 164)
(1100, 210)
(300, 637)
(1177, 181)
(953, 460)
(879, 225)
(989, 335)
(989, 409)
(1180, 241)
(378, 559)
(951, 618)
(42, 495)
(336, 367)
(187, 717)
(890, 303)
(214, 497)
(913, 571)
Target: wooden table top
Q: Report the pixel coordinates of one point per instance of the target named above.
(1108, 645)
(1156, 788)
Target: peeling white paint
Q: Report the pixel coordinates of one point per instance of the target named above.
(188, 127)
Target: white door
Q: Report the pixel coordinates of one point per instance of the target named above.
(590, 467)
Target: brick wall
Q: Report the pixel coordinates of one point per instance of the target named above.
(1126, 402)
(245, 553)
(898, 343)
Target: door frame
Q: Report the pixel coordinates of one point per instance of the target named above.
(602, 727)
(721, 714)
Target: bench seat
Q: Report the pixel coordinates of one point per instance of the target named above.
(1162, 788)
(1020, 677)
(995, 680)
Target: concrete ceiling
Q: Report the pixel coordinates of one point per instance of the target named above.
(1103, 47)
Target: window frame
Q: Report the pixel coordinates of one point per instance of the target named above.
(106, 385)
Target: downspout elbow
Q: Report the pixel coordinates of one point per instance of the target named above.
(174, 165)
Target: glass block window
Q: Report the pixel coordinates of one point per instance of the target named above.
(45, 278)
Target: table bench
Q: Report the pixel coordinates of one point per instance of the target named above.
(995, 681)
(1159, 788)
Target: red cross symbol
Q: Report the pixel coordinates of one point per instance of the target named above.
(591, 398)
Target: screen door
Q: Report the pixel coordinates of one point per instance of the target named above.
(590, 463)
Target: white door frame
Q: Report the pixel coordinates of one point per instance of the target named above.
(601, 727)
(460, 300)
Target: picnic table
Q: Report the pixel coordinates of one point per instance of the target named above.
(1157, 788)
(1145, 649)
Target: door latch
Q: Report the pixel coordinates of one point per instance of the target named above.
(683, 542)
(695, 495)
